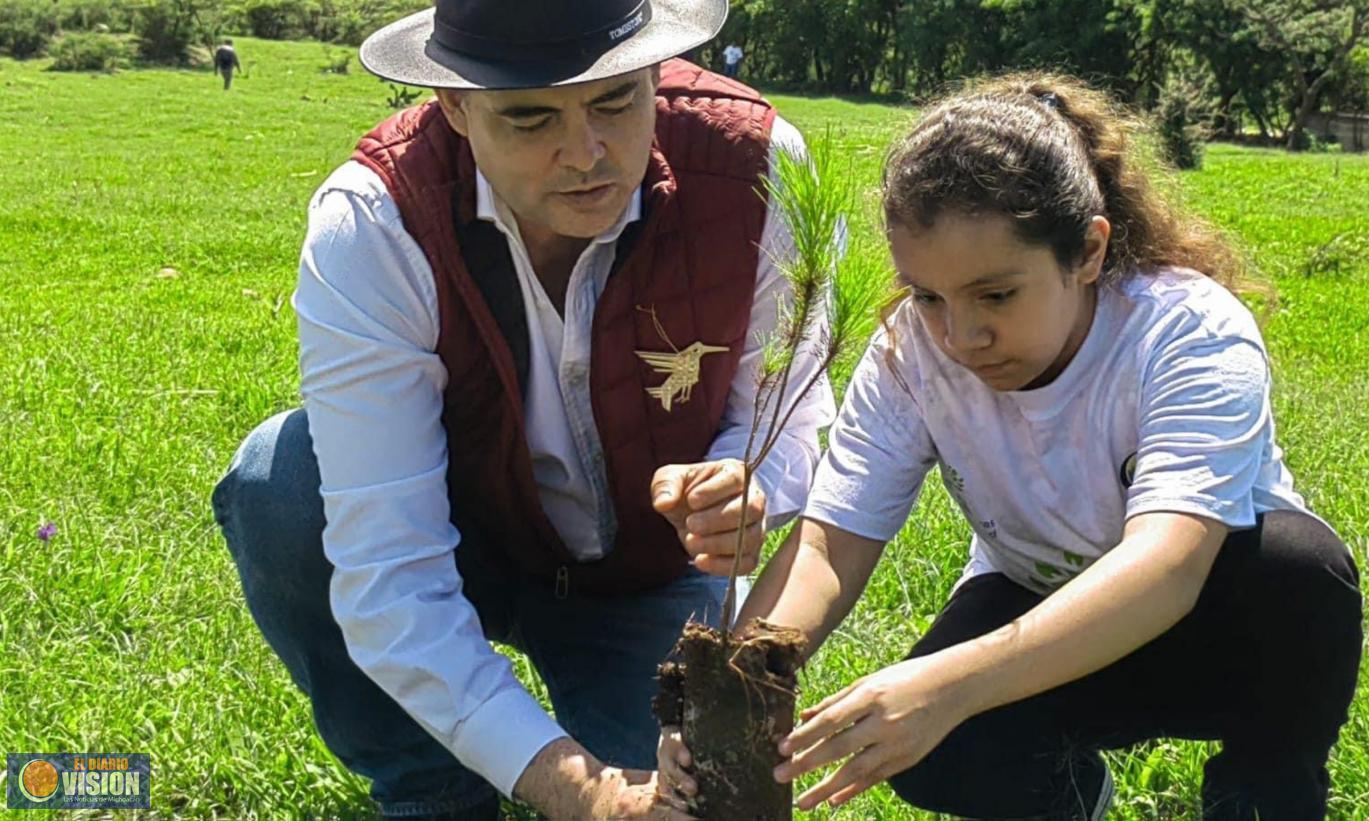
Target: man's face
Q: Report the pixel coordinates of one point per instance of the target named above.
(566, 160)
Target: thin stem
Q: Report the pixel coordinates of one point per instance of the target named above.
(826, 362)
(730, 597)
(748, 469)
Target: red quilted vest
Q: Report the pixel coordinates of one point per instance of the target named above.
(693, 260)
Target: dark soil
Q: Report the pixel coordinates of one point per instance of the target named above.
(734, 697)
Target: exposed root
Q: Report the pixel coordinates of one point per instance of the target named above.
(738, 692)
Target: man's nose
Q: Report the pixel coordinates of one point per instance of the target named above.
(583, 148)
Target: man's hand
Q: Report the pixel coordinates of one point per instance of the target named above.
(633, 794)
(674, 784)
(703, 501)
(565, 782)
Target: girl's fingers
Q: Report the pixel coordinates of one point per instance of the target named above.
(876, 763)
(847, 742)
(850, 780)
(884, 772)
(803, 736)
(832, 719)
(809, 712)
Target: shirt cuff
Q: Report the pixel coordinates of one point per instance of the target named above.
(500, 739)
(1234, 514)
(771, 477)
(856, 522)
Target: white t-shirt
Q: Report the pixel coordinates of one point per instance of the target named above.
(732, 54)
(1164, 408)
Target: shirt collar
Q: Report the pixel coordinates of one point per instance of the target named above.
(490, 206)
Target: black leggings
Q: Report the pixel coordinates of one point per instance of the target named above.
(1266, 662)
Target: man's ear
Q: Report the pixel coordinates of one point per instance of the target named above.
(453, 106)
(1095, 253)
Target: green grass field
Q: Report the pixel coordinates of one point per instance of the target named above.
(149, 232)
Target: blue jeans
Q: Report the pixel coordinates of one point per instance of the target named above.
(597, 655)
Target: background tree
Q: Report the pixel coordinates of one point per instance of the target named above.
(1315, 37)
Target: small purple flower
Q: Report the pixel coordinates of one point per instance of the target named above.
(47, 531)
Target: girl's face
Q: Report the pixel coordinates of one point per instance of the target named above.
(995, 304)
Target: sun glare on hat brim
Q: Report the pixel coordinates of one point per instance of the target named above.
(404, 52)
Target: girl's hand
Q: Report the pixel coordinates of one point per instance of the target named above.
(674, 786)
(882, 724)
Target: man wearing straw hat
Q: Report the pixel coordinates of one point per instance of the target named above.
(530, 316)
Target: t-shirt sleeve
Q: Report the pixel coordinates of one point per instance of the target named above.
(1205, 429)
(879, 451)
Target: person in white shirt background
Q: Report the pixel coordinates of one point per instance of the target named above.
(1099, 406)
(732, 60)
(342, 517)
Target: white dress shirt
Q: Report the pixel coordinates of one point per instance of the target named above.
(373, 390)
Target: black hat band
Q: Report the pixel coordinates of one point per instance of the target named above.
(595, 42)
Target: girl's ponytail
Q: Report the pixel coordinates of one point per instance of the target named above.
(1051, 153)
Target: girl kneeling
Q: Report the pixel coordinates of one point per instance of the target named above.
(1099, 407)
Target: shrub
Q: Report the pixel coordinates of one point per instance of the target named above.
(334, 62)
(402, 96)
(167, 28)
(350, 21)
(93, 15)
(1184, 118)
(280, 19)
(90, 51)
(1340, 254)
(26, 27)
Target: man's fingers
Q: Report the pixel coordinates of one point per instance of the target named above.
(673, 760)
(722, 565)
(673, 801)
(668, 487)
(715, 483)
(725, 543)
(713, 554)
(666, 811)
(726, 515)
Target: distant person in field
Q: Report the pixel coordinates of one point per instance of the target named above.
(531, 315)
(226, 62)
(1099, 406)
(732, 60)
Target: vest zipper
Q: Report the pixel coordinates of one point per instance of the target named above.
(562, 582)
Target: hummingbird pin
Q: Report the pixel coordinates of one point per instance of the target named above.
(681, 367)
